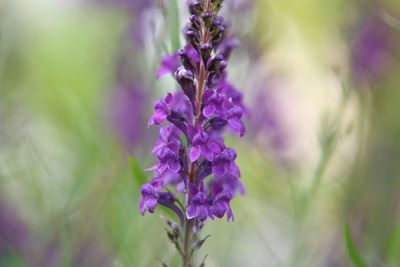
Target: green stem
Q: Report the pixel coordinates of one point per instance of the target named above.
(187, 258)
(175, 27)
(201, 83)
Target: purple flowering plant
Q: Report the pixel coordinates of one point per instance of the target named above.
(196, 176)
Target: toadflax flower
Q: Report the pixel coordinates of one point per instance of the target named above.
(195, 175)
(372, 48)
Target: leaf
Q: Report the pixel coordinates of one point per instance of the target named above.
(352, 249)
(203, 263)
(171, 235)
(163, 263)
(173, 12)
(199, 243)
(170, 222)
(137, 171)
(393, 257)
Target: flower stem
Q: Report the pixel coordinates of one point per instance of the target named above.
(201, 82)
(187, 258)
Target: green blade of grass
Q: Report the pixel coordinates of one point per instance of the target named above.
(393, 257)
(352, 249)
(137, 171)
(175, 25)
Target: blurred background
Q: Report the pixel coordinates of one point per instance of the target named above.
(320, 161)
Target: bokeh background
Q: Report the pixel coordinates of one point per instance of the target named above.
(320, 161)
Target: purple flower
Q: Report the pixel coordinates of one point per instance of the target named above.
(186, 80)
(221, 205)
(167, 159)
(234, 116)
(149, 199)
(13, 231)
(371, 49)
(191, 146)
(215, 104)
(269, 120)
(190, 58)
(192, 158)
(231, 92)
(169, 64)
(127, 108)
(207, 145)
(168, 134)
(199, 206)
(224, 164)
(151, 196)
(163, 109)
(128, 116)
(226, 47)
(222, 105)
(168, 199)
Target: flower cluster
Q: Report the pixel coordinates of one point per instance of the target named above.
(191, 154)
(372, 49)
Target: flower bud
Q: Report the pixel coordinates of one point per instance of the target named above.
(196, 7)
(178, 119)
(187, 62)
(185, 78)
(207, 18)
(193, 38)
(214, 64)
(217, 4)
(215, 123)
(218, 35)
(205, 52)
(195, 22)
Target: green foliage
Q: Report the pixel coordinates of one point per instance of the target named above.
(393, 247)
(352, 250)
(138, 174)
(173, 11)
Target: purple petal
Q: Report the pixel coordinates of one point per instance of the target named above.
(202, 213)
(194, 153)
(237, 125)
(162, 71)
(178, 212)
(219, 170)
(152, 168)
(192, 53)
(158, 117)
(162, 167)
(169, 99)
(219, 209)
(207, 154)
(209, 110)
(229, 214)
(200, 197)
(168, 199)
(180, 187)
(214, 147)
(142, 206)
(174, 166)
(234, 170)
(169, 63)
(151, 205)
(147, 204)
(191, 212)
(159, 144)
